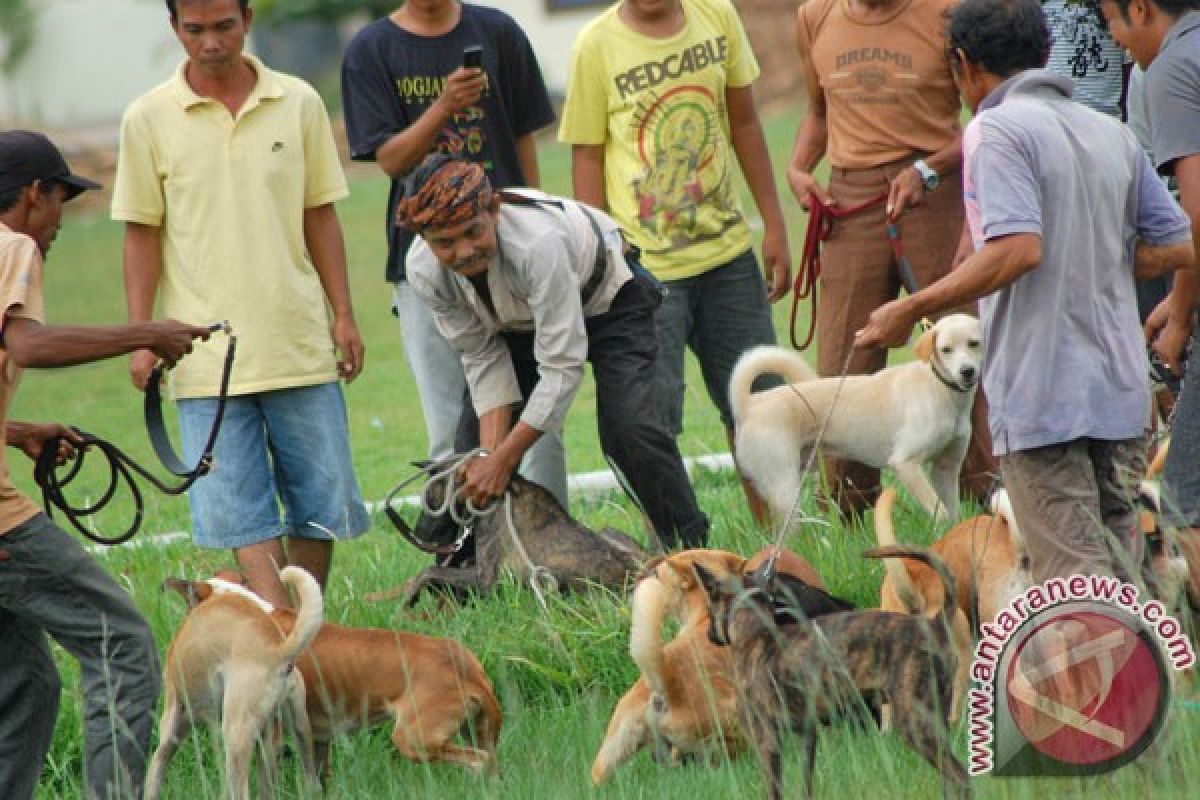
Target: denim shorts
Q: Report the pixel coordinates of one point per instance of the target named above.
(718, 315)
(289, 447)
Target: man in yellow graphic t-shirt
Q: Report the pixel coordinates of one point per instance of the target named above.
(660, 111)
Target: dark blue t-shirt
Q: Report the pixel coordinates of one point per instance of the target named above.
(390, 77)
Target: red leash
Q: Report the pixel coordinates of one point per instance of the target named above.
(820, 225)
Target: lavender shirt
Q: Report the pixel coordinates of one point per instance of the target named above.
(1064, 357)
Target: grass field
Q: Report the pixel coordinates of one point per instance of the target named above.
(558, 674)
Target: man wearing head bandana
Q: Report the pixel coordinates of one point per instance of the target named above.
(527, 286)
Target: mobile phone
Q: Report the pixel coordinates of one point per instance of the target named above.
(473, 57)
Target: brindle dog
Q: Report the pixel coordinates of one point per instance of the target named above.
(801, 675)
(557, 546)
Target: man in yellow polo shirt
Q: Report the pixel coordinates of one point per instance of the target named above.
(226, 181)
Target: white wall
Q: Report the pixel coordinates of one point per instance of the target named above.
(551, 32)
(92, 57)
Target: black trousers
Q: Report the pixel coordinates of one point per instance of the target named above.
(623, 348)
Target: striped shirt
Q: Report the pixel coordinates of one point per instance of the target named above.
(1084, 51)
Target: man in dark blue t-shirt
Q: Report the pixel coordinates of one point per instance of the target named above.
(406, 93)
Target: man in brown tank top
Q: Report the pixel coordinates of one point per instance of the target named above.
(883, 108)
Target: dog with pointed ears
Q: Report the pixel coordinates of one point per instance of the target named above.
(803, 675)
(907, 417)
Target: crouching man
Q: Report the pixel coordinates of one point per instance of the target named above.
(48, 582)
(527, 286)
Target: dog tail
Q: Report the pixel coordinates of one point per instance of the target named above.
(885, 534)
(1160, 459)
(949, 603)
(1001, 505)
(765, 360)
(488, 719)
(650, 599)
(310, 612)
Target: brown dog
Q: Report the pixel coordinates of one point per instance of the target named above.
(802, 675)
(986, 556)
(430, 688)
(685, 697)
(230, 661)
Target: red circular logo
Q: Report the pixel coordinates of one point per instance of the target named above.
(1084, 688)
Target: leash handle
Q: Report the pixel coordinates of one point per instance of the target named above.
(820, 226)
(156, 427)
(907, 278)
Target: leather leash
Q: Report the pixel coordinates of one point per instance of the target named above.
(820, 225)
(51, 477)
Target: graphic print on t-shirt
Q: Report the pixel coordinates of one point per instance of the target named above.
(1077, 26)
(873, 76)
(464, 135)
(684, 174)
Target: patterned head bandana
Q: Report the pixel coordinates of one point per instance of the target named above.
(442, 191)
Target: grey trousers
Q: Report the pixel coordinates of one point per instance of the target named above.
(438, 372)
(1075, 506)
(1181, 477)
(50, 586)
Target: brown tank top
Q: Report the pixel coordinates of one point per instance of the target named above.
(887, 83)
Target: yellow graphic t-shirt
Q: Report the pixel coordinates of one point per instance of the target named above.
(658, 107)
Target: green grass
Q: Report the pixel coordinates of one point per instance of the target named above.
(558, 674)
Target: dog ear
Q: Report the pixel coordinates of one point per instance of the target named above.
(188, 590)
(710, 582)
(924, 346)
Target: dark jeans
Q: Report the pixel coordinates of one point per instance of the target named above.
(623, 349)
(50, 585)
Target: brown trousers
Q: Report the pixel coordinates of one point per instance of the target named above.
(859, 274)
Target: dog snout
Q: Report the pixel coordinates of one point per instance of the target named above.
(968, 374)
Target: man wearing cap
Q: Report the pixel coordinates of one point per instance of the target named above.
(226, 180)
(49, 585)
(526, 287)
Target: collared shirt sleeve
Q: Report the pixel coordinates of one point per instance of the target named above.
(1006, 185)
(485, 357)
(324, 181)
(1172, 105)
(1160, 220)
(138, 191)
(560, 342)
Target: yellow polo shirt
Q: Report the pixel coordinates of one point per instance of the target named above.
(20, 296)
(229, 194)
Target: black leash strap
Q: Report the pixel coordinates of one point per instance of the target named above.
(54, 477)
(157, 429)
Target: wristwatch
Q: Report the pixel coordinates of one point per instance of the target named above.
(928, 177)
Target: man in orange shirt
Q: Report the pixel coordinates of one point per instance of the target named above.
(884, 110)
(48, 583)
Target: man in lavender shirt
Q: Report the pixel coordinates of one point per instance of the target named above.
(1065, 211)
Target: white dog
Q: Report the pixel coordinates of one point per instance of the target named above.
(901, 417)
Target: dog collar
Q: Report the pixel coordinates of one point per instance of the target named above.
(934, 364)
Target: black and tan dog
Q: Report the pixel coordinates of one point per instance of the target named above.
(802, 675)
(540, 536)
(685, 702)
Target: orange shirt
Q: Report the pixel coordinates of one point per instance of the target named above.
(887, 83)
(20, 296)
